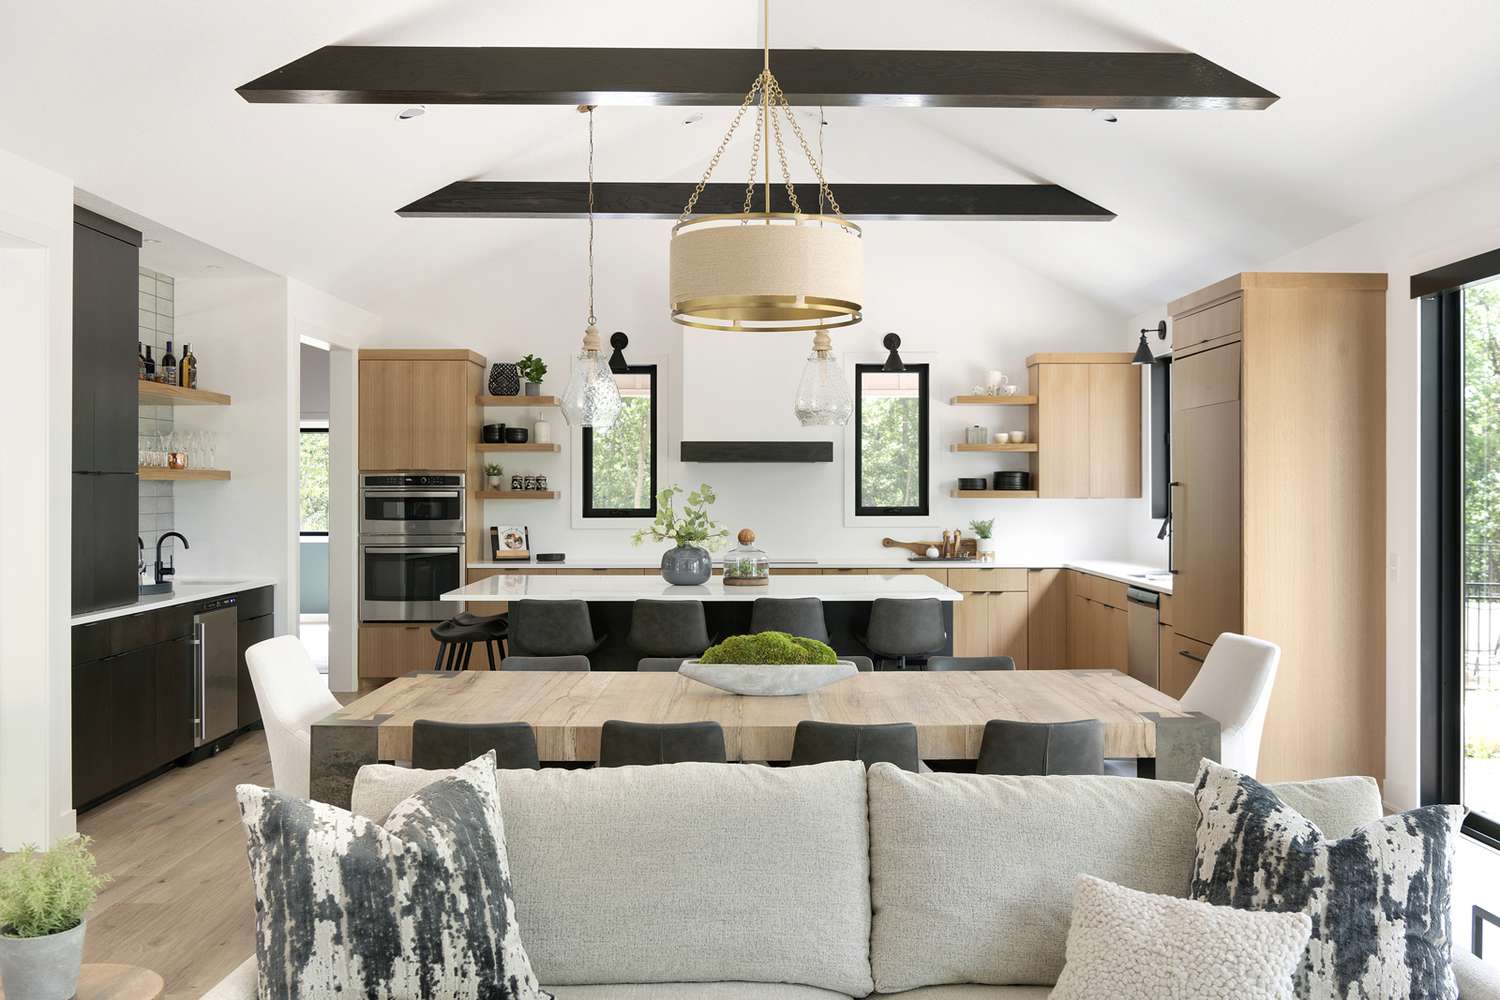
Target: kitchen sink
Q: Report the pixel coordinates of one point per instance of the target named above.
(153, 589)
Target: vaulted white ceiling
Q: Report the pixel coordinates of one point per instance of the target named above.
(1381, 100)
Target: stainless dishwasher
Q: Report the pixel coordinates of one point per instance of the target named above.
(1143, 636)
(216, 701)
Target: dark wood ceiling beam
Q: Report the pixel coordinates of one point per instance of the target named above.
(388, 74)
(569, 200)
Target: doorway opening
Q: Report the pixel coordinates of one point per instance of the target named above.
(313, 499)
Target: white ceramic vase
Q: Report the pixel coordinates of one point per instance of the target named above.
(769, 680)
(986, 548)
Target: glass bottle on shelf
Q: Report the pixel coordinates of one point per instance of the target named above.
(745, 565)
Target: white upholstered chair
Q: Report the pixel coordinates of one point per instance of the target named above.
(1234, 687)
(292, 696)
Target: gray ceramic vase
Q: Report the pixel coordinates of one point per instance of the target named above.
(686, 566)
(42, 968)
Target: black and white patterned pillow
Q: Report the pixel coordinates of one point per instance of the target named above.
(1378, 899)
(418, 907)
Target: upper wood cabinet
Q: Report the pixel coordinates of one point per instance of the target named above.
(1278, 456)
(1088, 425)
(417, 410)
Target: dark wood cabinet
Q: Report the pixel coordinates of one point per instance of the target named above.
(106, 258)
(175, 710)
(252, 630)
(92, 712)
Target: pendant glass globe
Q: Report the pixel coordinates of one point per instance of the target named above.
(823, 397)
(592, 398)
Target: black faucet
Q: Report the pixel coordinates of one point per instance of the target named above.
(140, 559)
(162, 572)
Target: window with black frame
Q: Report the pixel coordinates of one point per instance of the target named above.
(1460, 307)
(890, 441)
(312, 480)
(619, 465)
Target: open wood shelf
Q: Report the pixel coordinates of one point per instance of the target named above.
(161, 394)
(530, 446)
(991, 446)
(487, 400)
(993, 494)
(1016, 400)
(518, 494)
(180, 475)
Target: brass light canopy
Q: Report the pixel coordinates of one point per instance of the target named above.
(766, 271)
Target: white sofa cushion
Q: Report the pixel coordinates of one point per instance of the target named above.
(969, 991)
(696, 991)
(972, 876)
(1128, 945)
(682, 872)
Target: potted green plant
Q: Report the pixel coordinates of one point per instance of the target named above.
(983, 531)
(773, 664)
(533, 369)
(492, 474)
(689, 563)
(43, 898)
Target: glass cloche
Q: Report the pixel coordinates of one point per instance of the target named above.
(745, 565)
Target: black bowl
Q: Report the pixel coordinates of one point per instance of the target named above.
(973, 483)
(516, 435)
(494, 433)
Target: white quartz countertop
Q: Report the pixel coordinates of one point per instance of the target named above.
(561, 587)
(1133, 574)
(183, 592)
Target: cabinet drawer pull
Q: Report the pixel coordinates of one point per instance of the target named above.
(1191, 656)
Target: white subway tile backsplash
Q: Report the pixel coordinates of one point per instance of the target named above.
(155, 323)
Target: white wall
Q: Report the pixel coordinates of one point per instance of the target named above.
(947, 293)
(36, 313)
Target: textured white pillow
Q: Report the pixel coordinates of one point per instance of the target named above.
(1129, 945)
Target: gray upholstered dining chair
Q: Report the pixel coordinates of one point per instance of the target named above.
(1041, 747)
(794, 615)
(436, 745)
(625, 743)
(668, 628)
(905, 628)
(971, 663)
(551, 628)
(659, 664)
(863, 664)
(892, 742)
(560, 663)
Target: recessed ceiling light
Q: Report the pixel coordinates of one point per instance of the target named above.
(415, 111)
(1108, 117)
(152, 241)
(213, 267)
(693, 119)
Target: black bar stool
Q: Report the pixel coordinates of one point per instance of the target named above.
(456, 638)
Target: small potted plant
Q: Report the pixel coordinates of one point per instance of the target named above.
(690, 563)
(533, 369)
(986, 544)
(492, 474)
(43, 898)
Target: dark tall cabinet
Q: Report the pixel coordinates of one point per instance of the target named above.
(106, 262)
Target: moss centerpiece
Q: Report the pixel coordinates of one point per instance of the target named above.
(770, 664)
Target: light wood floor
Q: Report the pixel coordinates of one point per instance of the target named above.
(180, 902)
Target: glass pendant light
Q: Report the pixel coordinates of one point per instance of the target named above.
(592, 399)
(823, 398)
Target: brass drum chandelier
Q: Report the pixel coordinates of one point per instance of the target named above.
(766, 271)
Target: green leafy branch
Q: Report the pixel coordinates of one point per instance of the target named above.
(692, 527)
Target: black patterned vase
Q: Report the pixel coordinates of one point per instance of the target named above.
(505, 380)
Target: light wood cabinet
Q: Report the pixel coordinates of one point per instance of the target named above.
(388, 650)
(415, 412)
(1088, 425)
(1046, 619)
(1181, 659)
(1278, 444)
(992, 618)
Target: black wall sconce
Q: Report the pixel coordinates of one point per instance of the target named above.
(619, 342)
(893, 362)
(1143, 355)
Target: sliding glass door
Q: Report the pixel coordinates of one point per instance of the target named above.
(1478, 311)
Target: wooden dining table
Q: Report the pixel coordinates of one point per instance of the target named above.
(949, 709)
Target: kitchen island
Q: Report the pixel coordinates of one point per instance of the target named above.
(846, 603)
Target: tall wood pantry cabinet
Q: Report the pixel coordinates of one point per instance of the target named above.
(1278, 503)
(418, 410)
(1086, 424)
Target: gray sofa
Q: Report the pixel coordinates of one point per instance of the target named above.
(733, 881)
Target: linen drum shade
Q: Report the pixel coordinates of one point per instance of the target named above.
(780, 272)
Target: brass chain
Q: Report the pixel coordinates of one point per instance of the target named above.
(786, 173)
(723, 144)
(760, 112)
(823, 188)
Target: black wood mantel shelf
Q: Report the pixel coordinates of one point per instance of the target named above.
(391, 74)
(569, 199)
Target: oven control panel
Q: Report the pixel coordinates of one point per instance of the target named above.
(403, 479)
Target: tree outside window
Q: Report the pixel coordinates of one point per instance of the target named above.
(890, 458)
(619, 465)
(312, 480)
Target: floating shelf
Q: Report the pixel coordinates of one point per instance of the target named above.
(993, 494)
(161, 394)
(518, 494)
(532, 446)
(486, 400)
(990, 446)
(180, 475)
(993, 401)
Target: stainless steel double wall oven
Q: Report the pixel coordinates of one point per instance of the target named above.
(411, 545)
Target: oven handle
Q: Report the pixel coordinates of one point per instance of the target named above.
(422, 550)
(412, 494)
